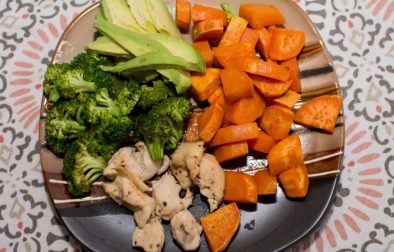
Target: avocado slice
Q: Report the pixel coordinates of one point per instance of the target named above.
(162, 18)
(103, 45)
(118, 13)
(148, 61)
(179, 47)
(137, 44)
(139, 10)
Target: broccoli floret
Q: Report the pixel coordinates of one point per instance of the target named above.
(89, 62)
(159, 133)
(125, 94)
(97, 107)
(115, 129)
(71, 82)
(155, 94)
(177, 108)
(52, 73)
(82, 168)
(61, 122)
(62, 126)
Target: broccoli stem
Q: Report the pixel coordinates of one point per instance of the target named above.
(155, 148)
(229, 10)
(80, 85)
(103, 99)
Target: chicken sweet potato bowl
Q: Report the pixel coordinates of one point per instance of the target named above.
(157, 120)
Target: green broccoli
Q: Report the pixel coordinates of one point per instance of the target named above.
(115, 129)
(61, 122)
(71, 82)
(81, 168)
(125, 94)
(62, 126)
(177, 108)
(162, 127)
(151, 96)
(89, 62)
(52, 73)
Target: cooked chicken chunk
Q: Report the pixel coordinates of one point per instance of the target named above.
(211, 180)
(185, 162)
(137, 162)
(166, 193)
(150, 238)
(125, 192)
(185, 230)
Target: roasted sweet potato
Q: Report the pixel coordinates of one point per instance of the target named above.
(269, 87)
(234, 31)
(246, 110)
(205, 49)
(220, 226)
(236, 84)
(231, 151)
(260, 15)
(259, 67)
(235, 133)
(285, 154)
(295, 181)
(182, 14)
(202, 13)
(294, 73)
(250, 36)
(262, 143)
(288, 100)
(320, 112)
(286, 44)
(233, 55)
(191, 132)
(266, 183)
(276, 121)
(211, 30)
(204, 84)
(240, 187)
(264, 42)
(209, 122)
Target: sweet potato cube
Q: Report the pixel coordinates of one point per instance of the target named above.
(259, 67)
(320, 112)
(220, 226)
(211, 29)
(230, 151)
(288, 100)
(260, 15)
(285, 154)
(250, 36)
(233, 55)
(276, 121)
(235, 133)
(203, 85)
(269, 87)
(295, 181)
(209, 122)
(236, 84)
(240, 188)
(246, 110)
(205, 49)
(266, 183)
(262, 143)
(292, 64)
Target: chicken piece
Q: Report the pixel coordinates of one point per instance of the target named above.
(185, 230)
(185, 162)
(137, 162)
(150, 238)
(125, 192)
(166, 193)
(211, 180)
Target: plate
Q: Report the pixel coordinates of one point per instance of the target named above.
(273, 224)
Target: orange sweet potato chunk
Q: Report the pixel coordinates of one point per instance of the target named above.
(266, 183)
(320, 112)
(220, 226)
(295, 181)
(285, 154)
(240, 187)
(276, 121)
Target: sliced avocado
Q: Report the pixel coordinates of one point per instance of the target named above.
(139, 10)
(162, 18)
(118, 13)
(185, 82)
(148, 61)
(181, 48)
(142, 76)
(103, 45)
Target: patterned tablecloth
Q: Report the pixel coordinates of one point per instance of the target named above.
(358, 34)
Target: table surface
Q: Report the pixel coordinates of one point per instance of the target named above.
(358, 34)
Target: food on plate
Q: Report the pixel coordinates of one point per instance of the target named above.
(186, 231)
(120, 108)
(182, 15)
(320, 112)
(210, 180)
(220, 226)
(150, 237)
(265, 182)
(166, 192)
(185, 162)
(240, 188)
